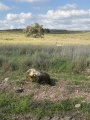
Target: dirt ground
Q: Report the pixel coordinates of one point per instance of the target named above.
(60, 90)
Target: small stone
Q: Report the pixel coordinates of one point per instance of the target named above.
(77, 105)
(77, 91)
(6, 79)
(20, 90)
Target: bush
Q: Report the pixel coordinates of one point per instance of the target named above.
(35, 30)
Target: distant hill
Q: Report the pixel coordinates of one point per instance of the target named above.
(50, 31)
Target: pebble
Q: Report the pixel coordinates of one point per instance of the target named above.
(77, 105)
(6, 80)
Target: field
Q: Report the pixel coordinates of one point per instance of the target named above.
(65, 57)
(11, 37)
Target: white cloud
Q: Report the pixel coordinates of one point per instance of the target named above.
(68, 17)
(31, 1)
(15, 21)
(4, 24)
(68, 7)
(18, 19)
(4, 7)
(21, 16)
(61, 14)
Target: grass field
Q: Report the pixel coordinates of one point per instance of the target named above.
(51, 39)
(55, 53)
(66, 57)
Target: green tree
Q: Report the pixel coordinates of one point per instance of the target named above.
(35, 30)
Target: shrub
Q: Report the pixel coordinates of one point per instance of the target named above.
(35, 30)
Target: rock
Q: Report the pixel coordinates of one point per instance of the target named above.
(6, 79)
(77, 105)
(37, 76)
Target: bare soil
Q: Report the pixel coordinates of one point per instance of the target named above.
(61, 90)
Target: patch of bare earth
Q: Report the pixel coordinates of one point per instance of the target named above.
(62, 90)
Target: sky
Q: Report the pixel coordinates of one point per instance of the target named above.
(52, 14)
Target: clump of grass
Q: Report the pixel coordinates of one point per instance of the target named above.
(2, 59)
(14, 65)
(26, 63)
(23, 51)
(79, 64)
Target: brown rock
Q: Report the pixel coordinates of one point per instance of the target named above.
(37, 76)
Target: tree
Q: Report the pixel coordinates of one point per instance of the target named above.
(47, 30)
(35, 30)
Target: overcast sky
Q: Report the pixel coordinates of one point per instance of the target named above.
(53, 14)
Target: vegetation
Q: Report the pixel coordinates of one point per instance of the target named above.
(52, 58)
(25, 105)
(55, 53)
(64, 56)
(35, 30)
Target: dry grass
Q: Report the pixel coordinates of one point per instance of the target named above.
(66, 63)
(51, 39)
(57, 52)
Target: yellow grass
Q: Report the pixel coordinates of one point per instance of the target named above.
(50, 39)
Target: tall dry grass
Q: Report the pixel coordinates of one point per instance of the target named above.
(63, 52)
(53, 58)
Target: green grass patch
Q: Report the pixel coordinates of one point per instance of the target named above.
(10, 104)
(76, 79)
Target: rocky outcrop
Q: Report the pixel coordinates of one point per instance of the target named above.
(37, 76)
